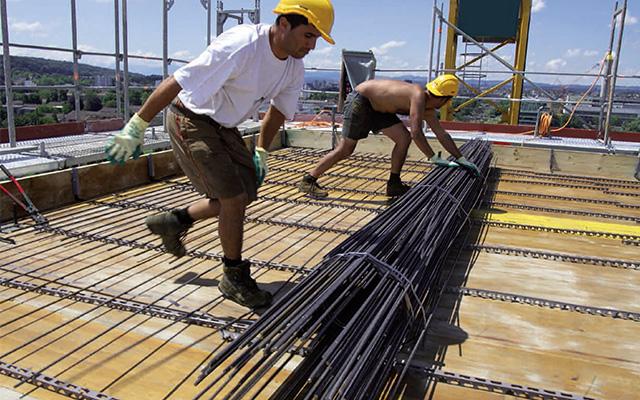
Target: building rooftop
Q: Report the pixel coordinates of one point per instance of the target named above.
(541, 297)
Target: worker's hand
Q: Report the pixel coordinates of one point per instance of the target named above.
(469, 165)
(260, 162)
(127, 143)
(441, 162)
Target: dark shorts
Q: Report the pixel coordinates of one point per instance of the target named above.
(214, 158)
(360, 118)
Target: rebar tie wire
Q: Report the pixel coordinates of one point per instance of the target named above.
(451, 197)
(383, 268)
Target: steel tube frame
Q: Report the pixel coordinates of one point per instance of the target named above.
(6, 61)
(604, 88)
(439, 44)
(166, 6)
(116, 82)
(207, 5)
(125, 62)
(76, 57)
(612, 85)
(496, 57)
(91, 53)
(433, 32)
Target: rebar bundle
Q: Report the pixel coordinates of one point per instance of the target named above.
(370, 297)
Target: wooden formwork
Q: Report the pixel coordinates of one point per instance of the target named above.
(521, 242)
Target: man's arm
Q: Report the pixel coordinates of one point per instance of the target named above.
(128, 142)
(271, 123)
(160, 98)
(416, 111)
(443, 137)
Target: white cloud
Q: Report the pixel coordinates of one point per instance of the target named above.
(51, 55)
(573, 52)
(537, 5)
(323, 51)
(385, 47)
(322, 58)
(555, 64)
(139, 61)
(628, 19)
(182, 54)
(590, 53)
(26, 27)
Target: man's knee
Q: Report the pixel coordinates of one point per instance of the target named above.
(237, 202)
(345, 149)
(404, 141)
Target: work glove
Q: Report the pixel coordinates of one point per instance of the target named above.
(127, 143)
(468, 165)
(441, 162)
(260, 163)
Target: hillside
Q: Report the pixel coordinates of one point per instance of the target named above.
(35, 67)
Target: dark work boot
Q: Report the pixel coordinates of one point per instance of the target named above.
(310, 186)
(395, 189)
(171, 230)
(238, 286)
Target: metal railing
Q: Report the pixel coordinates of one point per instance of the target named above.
(122, 83)
(609, 77)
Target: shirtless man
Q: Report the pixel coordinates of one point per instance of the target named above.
(373, 107)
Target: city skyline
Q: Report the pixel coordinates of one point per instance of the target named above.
(558, 42)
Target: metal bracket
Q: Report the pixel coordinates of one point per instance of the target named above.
(334, 130)
(51, 383)
(205, 4)
(490, 385)
(75, 183)
(151, 171)
(169, 4)
(553, 163)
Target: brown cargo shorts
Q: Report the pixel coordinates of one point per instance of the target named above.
(214, 158)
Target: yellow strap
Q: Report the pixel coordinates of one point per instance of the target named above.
(555, 222)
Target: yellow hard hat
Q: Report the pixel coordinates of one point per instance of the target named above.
(444, 85)
(318, 12)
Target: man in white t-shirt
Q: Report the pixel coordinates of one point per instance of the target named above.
(222, 87)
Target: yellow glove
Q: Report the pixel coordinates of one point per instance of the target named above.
(260, 163)
(128, 142)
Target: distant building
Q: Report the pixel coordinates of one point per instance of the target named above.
(103, 80)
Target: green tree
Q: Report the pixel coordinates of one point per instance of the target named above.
(135, 98)
(560, 119)
(45, 109)
(632, 125)
(144, 97)
(46, 94)
(92, 102)
(615, 122)
(32, 98)
(71, 101)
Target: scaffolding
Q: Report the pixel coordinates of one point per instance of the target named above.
(475, 53)
(121, 82)
(517, 70)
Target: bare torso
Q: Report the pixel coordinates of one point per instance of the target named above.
(388, 96)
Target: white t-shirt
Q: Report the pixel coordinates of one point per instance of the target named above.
(236, 73)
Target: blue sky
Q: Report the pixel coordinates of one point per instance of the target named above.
(565, 36)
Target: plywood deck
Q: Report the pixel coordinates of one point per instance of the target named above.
(102, 248)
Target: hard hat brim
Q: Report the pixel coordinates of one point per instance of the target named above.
(325, 35)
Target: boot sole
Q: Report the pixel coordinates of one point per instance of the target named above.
(238, 301)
